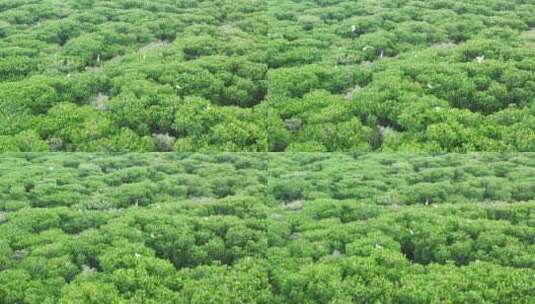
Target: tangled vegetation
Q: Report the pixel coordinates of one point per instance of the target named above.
(315, 76)
(267, 75)
(404, 75)
(267, 228)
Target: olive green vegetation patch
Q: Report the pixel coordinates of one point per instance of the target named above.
(267, 75)
(266, 228)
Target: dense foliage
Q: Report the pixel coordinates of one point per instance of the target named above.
(267, 75)
(267, 228)
(102, 75)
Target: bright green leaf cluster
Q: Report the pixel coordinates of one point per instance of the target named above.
(267, 228)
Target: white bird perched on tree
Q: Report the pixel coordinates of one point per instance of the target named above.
(480, 59)
(353, 28)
